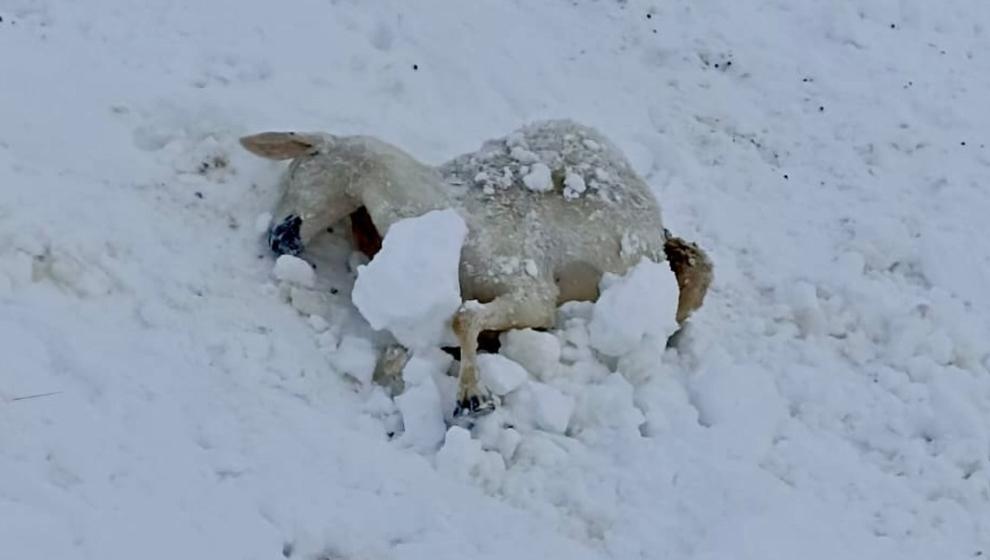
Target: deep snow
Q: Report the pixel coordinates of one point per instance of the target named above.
(831, 400)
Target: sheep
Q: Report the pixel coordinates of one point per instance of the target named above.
(549, 209)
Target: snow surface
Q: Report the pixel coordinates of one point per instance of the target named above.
(161, 397)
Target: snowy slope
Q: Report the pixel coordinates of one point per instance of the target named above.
(831, 400)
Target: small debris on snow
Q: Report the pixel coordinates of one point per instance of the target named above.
(294, 271)
(500, 374)
(411, 287)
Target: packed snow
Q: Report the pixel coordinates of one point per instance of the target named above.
(168, 390)
(638, 306)
(410, 288)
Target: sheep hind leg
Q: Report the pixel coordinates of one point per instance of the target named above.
(693, 270)
(521, 309)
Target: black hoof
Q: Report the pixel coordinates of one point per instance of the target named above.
(284, 238)
(474, 406)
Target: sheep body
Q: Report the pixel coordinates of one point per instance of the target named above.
(549, 209)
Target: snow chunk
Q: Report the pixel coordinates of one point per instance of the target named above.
(422, 416)
(574, 185)
(538, 352)
(543, 406)
(538, 179)
(500, 374)
(508, 442)
(463, 459)
(356, 357)
(422, 403)
(642, 303)
(608, 406)
(522, 155)
(411, 287)
(294, 271)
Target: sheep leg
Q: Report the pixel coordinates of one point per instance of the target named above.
(693, 270)
(521, 309)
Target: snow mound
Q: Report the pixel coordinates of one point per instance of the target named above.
(640, 304)
(411, 287)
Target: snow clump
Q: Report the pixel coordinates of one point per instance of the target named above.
(411, 287)
(641, 304)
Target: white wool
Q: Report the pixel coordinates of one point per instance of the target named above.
(642, 303)
(294, 271)
(500, 374)
(538, 352)
(538, 179)
(411, 287)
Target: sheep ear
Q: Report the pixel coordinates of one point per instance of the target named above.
(279, 145)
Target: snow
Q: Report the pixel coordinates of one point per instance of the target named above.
(355, 356)
(538, 179)
(541, 405)
(294, 271)
(411, 286)
(641, 304)
(500, 374)
(538, 352)
(462, 458)
(574, 185)
(162, 397)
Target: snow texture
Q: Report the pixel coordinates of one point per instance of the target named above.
(294, 271)
(538, 352)
(500, 374)
(639, 305)
(163, 397)
(411, 286)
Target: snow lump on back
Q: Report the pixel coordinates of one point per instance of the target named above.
(557, 155)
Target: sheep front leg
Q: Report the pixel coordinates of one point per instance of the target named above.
(521, 309)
